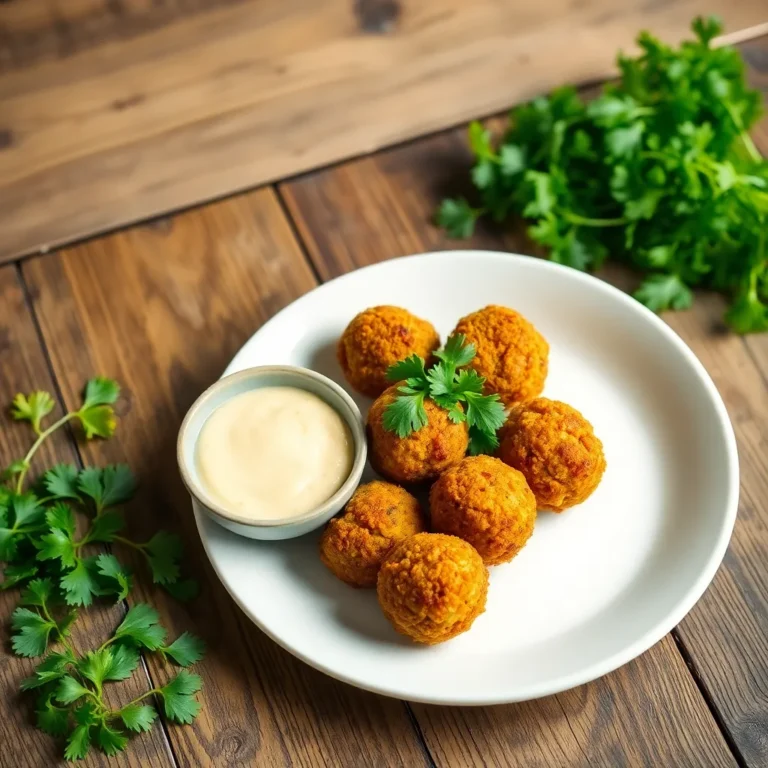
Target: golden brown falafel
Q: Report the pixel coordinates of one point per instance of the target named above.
(486, 503)
(556, 449)
(423, 454)
(512, 355)
(432, 587)
(378, 338)
(378, 516)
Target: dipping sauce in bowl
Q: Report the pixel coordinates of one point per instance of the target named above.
(274, 453)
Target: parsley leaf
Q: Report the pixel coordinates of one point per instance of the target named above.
(32, 408)
(456, 352)
(110, 740)
(185, 650)
(108, 486)
(410, 368)
(100, 391)
(178, 698)
(106, 526)
(79, 585)
(51, 668)
(58, 544)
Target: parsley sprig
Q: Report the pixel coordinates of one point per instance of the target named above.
(51, 543)
(659, 171)
(450, 385)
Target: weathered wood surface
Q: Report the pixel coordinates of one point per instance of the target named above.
(165, 328)
(23, 368)
(111, 112)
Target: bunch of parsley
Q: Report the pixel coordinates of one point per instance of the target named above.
(44, 549)
(658, 171)
(448, 384)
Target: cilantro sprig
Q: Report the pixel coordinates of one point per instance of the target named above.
(451, 386)
(70, 685)
(659, 171)
(52, 541)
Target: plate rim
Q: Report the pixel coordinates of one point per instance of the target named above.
(632, 650)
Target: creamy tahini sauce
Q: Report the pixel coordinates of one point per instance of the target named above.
(273, 453)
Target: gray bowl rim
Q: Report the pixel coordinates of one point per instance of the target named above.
(339, 498)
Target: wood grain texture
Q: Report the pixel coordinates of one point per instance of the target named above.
(23, 368)
(111, 112)
(648, 713)
(163, 308)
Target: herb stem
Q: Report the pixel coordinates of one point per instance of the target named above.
(143, 696)
(583, 221)
(128, 542)
(38, 442)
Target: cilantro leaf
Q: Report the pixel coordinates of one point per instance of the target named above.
(50, 669)
(110, 663)
(61, 482)
(457, 351)
(32, 408)
(106, 526)
(185, 650)
(98, 421)
(38, 592)
(100, 391)
(27, 509)
(140, 627)
(111, 568)
(78, 743)
(481, 442)
(468, 380)
(17, 573)
(659, 292)
(440, 379)
(138, 717)
(70, 690)
(178, 698)
(79, 585)
(110, 740)
(405, 414)
(486, 412)
(108, 486)
(410, 368)
(57, 545)
(60, 516)
(457, 218)
(50, 718)
(163, 552)
(183, 589)
(33, 635)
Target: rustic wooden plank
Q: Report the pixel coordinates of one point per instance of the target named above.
(23, 368)
(162, 308)
(650, 712)
(114, 112)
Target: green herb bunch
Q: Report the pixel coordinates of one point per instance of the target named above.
(658, 171)
(58, 563)
(450, 385)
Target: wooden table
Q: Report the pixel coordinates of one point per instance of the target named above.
(163, 306)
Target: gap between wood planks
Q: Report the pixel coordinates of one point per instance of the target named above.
(81, 464)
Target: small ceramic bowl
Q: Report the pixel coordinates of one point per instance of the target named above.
(255, 378)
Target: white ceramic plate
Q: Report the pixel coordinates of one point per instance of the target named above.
(595, 586)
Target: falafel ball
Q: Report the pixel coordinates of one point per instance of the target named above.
(486, 503)
(556, 449)
(378, 516)
(512, 355)
(423, 454)
(378, 338)
(432, 587)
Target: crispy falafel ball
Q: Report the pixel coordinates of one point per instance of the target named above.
(432, 587)
(486, 503)
(556, 449)
(423, 454)
(380, 337)
(378, 516)
(512, 355)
